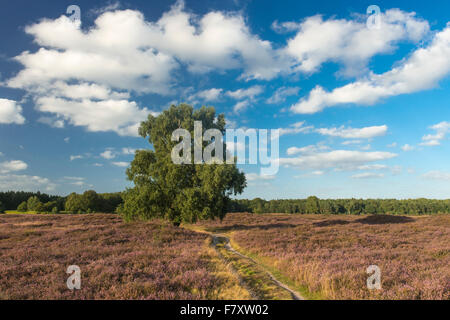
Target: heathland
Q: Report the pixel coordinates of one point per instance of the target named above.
(320, 256)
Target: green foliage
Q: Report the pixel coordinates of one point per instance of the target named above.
(55, 210)
(2, 208)
(75, 203)
(313, 205)
(12, 199)
(33, 204)
(179, 193)
(22, 207)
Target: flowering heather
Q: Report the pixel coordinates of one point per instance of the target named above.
(145, 260)
(329, 254)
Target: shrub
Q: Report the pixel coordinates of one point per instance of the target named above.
(22, 207)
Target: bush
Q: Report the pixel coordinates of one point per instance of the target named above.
(55, 210)
(2, 208)
(22, 207)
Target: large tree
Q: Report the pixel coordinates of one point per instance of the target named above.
(179, 192)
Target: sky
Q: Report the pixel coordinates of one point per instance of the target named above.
(361, 102)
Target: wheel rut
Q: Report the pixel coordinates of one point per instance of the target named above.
(224, 241)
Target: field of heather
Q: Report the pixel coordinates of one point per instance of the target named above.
(328, 255)
(148, 260)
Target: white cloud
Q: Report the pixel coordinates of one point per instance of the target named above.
(52, 122)
(354, 133)
(258, 177)
(338, 159)
(392, 145)
(67, 140)
(120, 164)
(298, 127)
(108, 154)
(421, 71)
(10, 112)
(241, 106)
(98, 165)
(373, 167)
(121, 116)
(128, 151)
(367, 175)
(437, 175)
(349, 42)
(249, 93)
(76, 157)
(441, 129)
(407, 148)
(208, 95)
(11, 166)
(282, 93)
(305, 150)
(25, 183)
(85, 76)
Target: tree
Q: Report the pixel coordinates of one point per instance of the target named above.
(22, 207)
(91, 201)
(33, 203)
(312, 205)
(74, 203)
(2, 207)
(179, 192)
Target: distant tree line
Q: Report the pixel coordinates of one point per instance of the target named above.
(314, 205)
(88, 202)
(91, 201)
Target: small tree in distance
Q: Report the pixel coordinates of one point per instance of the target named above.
(22, 207)
(178, 192)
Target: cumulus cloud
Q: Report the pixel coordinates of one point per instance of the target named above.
(52, 122)
(76, 157)
(208, 95)
(241, 106)
(85, 77)
(11, 166)
(298, 127)
(354, 133)
(441, 129)
(249, 93)
(407, 148)
(128, 151)
(282, 93)
(121, 116)
(437, 175)
(338, 159)
(305, 150)
(120, 164)
(25, 183)
(108, 154)
(10, 112)
(258, 177)
(349, 42)
(367, 175)
(421, 71)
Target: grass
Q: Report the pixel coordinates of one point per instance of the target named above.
(327, 256)
(151, 260)
(254, 277)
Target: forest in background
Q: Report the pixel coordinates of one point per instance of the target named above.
(90, 201)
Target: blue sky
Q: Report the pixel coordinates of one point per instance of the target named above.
(363, 111)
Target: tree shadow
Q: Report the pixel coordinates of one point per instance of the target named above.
(327, 223)
(241, 227)
(384, 219)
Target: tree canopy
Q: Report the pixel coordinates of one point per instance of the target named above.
(179, 192)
